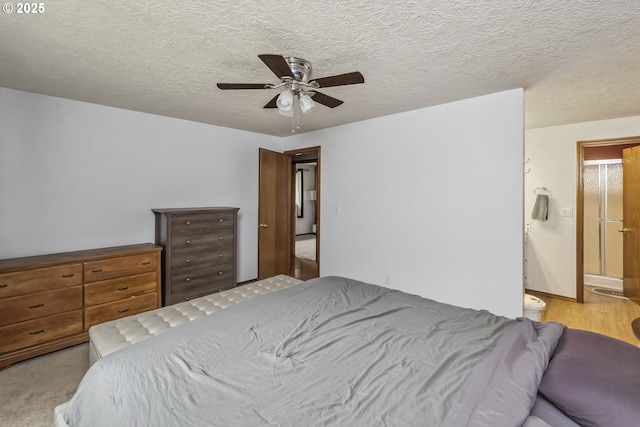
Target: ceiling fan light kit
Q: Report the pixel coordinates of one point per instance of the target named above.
(306, 103)
(295, 77)
(285, 101)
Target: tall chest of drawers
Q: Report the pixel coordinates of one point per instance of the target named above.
(49, 302)
(200, 247)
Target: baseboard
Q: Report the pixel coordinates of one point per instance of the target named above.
(548, 295)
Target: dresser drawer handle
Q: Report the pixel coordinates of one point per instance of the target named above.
(220, 237)
(221, 220)
(123, 311)
(123, 289)
(4, 285)
(220, 255)
(188, 222)
(219, 273)
(188, 242)
(188, 279)
(68, 275)
(36, 306)
(96, 271)
(146, 263)
(36, 332)
(187, 261)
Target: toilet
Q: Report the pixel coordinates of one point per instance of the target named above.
(534, 307)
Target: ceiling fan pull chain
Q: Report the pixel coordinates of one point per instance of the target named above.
(293, 117)
(298, 115)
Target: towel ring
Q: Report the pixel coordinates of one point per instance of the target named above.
(542, 190)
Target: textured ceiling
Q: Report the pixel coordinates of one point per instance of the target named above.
(577, 60)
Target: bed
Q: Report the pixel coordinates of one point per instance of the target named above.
(338, 352)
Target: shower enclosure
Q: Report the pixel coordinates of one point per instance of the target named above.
(602, 219)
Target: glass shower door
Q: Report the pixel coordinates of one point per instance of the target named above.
(602, 218)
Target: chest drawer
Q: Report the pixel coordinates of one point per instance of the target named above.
(33, 332)
(120, 288)
(222, 255)
(190, 275)
(205, 241)
(199, 223)
(119, 266)
(40, 279)
(114, 310)
(33, 306)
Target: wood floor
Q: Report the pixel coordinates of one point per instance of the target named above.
(605, 315)
(303, 269)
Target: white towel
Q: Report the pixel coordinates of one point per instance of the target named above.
(541, 208)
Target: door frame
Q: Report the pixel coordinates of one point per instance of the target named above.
(581, 145)
(292, 215)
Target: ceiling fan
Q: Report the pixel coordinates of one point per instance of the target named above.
(295, 76)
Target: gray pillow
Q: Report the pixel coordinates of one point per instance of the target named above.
(594, 379)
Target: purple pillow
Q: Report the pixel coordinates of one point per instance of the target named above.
(594, 379)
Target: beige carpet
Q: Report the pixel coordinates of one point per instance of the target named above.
(29, 390)
(306, 246)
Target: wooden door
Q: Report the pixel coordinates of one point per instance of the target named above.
(631, 217)
(273, 214)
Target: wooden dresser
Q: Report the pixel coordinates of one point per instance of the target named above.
(199, 256)
(49, 302)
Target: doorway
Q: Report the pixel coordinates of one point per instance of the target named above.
(305, 227)
(599, 213)
(280, 205)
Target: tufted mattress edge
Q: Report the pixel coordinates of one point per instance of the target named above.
(108, 337)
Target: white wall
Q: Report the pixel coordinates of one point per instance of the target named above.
(76, 176)
(435, 204)
(552, 153)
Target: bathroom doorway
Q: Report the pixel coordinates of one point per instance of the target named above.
(599, 218)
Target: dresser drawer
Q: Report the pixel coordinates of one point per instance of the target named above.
(33, 332)
(222, 255)
(192, 276)
(33, 306)
(119, 266)
(199, 223)
(120, 288)
(201, 289)
(201, 242)
(40, 279)
(114, 310)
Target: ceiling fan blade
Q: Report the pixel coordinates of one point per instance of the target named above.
(341, 79)
(225, 86)
(272, 103)
(325, 100)
(277, 64)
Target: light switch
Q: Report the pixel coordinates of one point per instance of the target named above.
(567, 212)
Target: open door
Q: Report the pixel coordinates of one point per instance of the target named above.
(631, 222)
(273, 214)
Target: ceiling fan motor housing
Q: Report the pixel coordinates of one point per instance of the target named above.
(301, 68)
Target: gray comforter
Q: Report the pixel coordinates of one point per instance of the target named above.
(327, 352)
